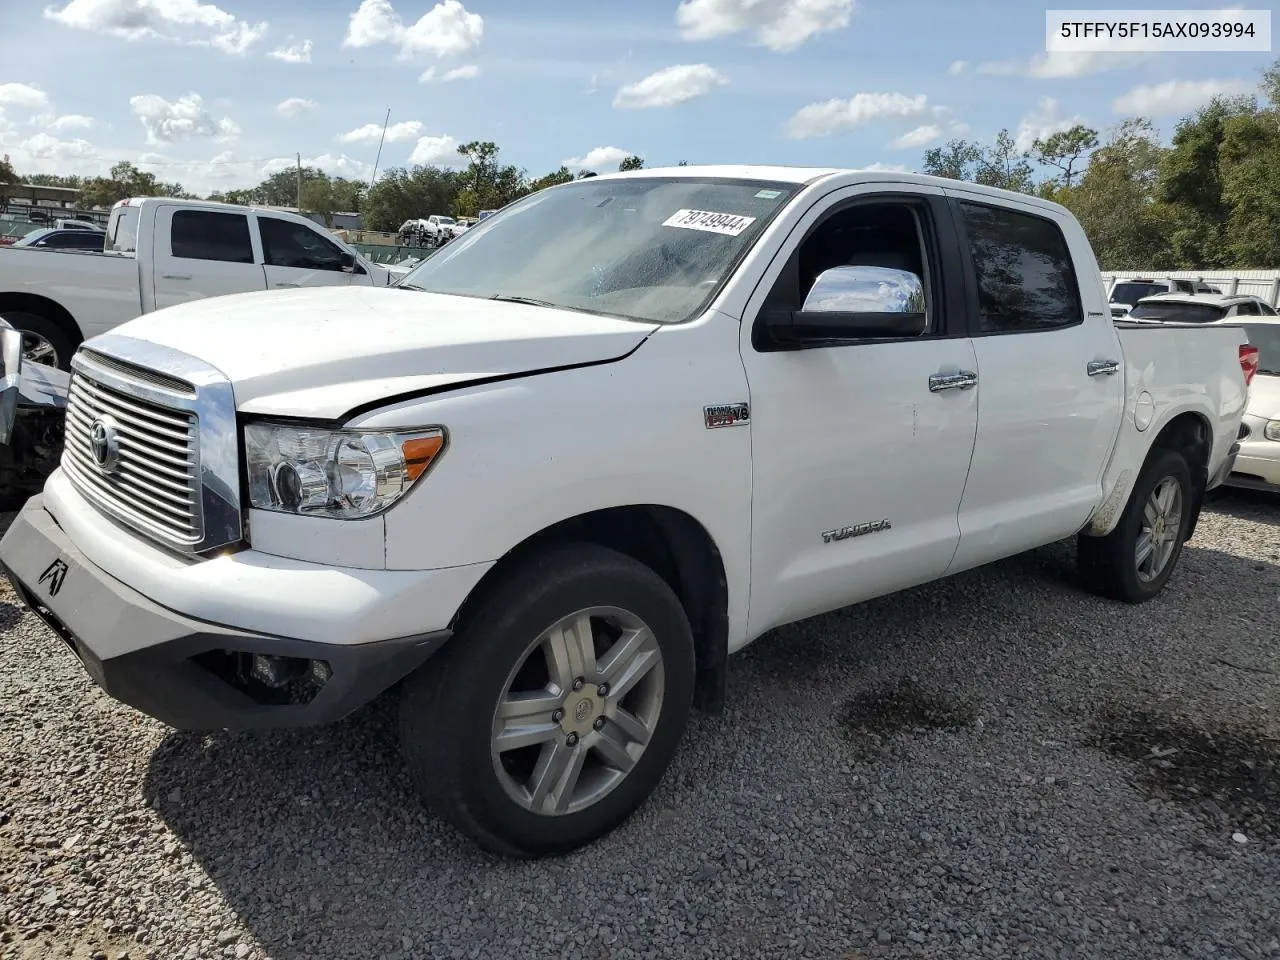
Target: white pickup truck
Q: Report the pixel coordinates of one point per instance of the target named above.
(612, 434)
(161, 252)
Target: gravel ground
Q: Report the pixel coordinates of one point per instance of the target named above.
(994, 765)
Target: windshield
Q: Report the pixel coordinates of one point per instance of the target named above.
(641, 248)
(1266, 337)
(1133, 292)
(1178, 312)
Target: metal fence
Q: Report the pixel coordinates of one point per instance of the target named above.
(382, 253)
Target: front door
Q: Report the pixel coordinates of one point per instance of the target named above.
(859, 451)
(296, 255)
(202, 253)
(1050, 381)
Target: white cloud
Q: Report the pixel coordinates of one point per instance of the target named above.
(598, 159)
(919, 137)
(71, 121)
(780, 25)
(372, 132)
(670, 86)
(447, 29)
(178, 21)
(1062, 64)
(293, 53)
(21, 95)
(184, 119)
(820, 119)
(45, 147)
(294, 106)
(467, 72)
(436, 151)
(1042, 122)
(1177, 96)
(339, 166)
(957, 67)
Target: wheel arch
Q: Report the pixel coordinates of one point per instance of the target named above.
(674, 545)
(43, 307)
(1190, 433)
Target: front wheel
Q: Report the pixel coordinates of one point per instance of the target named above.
(555, 710)
(1135, 560)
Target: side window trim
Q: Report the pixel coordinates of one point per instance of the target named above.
(936, 222)
(973, 311)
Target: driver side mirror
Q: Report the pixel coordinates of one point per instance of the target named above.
(347, 261)
(10, 377)
(854, 303)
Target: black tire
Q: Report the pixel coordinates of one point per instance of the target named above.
(50, 331)
(1108, 565)
(447, 708)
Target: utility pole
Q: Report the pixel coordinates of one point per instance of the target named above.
(379, 156)
(299, 183)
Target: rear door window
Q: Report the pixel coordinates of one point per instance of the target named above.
(211, 235)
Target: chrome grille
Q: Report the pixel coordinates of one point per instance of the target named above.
(155, 482)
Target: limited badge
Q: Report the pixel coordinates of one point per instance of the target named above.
(727, 415)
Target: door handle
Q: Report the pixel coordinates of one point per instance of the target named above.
(952, 381)
(1097, 367)
(175, 276)
(279, 285)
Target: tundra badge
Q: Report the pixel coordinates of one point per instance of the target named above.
(857, 530)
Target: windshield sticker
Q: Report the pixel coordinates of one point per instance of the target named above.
(729, 224)
(768, 194)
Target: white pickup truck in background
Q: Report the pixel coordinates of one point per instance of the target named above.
(161, 252)
(615, 432)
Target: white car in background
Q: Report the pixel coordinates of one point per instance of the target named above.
(1199, 308)
(1257, 466)
(1126, 293)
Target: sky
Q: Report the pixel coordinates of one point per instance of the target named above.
(218, 95)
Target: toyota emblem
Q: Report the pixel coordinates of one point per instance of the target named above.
(104, 443)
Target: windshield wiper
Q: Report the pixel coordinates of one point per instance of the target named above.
(410, 286)
(533, 301)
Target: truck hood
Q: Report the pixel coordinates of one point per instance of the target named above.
(1264, 397)
(324, 351)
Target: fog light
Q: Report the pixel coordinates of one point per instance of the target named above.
(274, 671)
(320, 672)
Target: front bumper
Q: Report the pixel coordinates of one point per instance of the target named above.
(1257, 467)
(184, 672)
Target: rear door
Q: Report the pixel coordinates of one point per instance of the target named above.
(297, 255)
(202, 253)
(1050, 378)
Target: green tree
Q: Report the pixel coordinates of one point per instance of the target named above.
(408, 194)
(563, 175)
(347, 195)
(1249, 174)
(1065, 151)
(8, 177)
(631, 163)
(1115, 200)
(1191, 182)
(1003, 165)
(125, 180)
(317, 197)
(955, 160)
(487, 184)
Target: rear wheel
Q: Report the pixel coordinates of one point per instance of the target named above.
(555, 710)
(1135, 560)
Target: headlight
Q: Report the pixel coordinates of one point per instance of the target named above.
(1272, 430)
(341, 474)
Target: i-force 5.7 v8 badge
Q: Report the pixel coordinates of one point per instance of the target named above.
(857, 530)
(726, 415)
